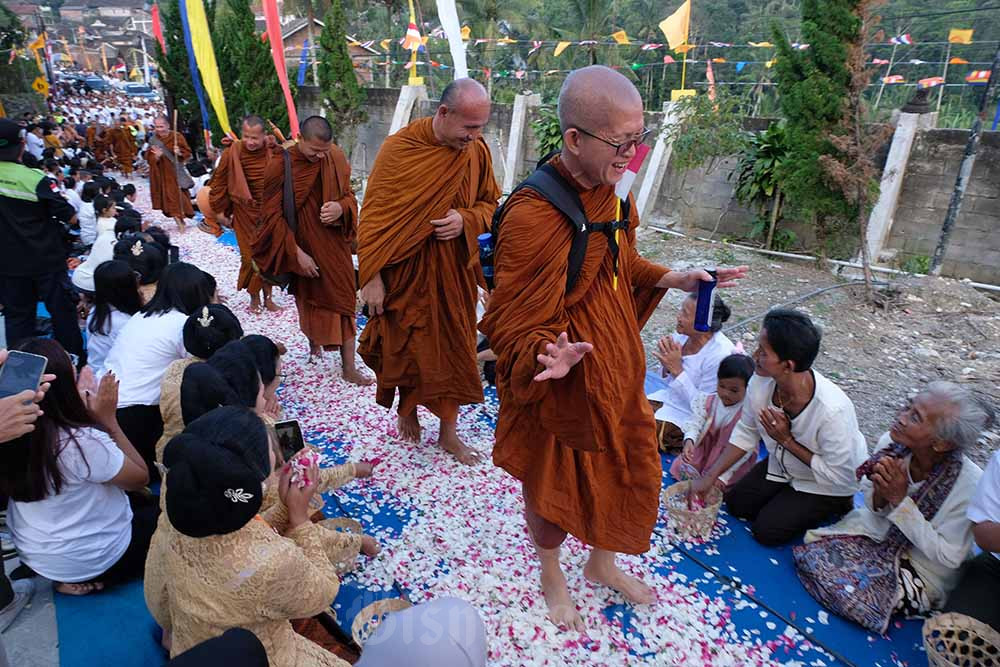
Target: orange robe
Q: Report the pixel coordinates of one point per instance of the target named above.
(327, 304)
(425, 341)
(583, 446)
(237, 190)
(164, 194)
(91, 138)
(123, 146)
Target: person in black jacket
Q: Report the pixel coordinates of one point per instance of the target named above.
(33, 248)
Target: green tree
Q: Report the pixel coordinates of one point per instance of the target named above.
(342, 95)
(11, 29)
(309, 9)
(174, 74)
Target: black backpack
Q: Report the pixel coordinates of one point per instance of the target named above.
(549, 183)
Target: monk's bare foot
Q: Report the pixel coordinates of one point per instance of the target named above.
(562, 611)
(181, 227)
(453, 445)
(358, 378)
(409, 427)
(85, 588)
(271, 306)
(604, 572)
(255, 305)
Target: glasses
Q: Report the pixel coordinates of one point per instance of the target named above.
(622, 148)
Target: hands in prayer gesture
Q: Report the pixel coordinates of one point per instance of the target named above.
(777, 424)
(890, 480)
(560, 357)
(449, 227)
(104, 404)
(668, 352)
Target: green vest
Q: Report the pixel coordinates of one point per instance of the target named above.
(18, 181)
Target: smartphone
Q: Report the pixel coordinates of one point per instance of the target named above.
(21, 371)
(174, 254)
(289, 438)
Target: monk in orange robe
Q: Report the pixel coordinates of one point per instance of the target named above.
(168, 151)
(236, 192)
(430, 194)
(123, 148)
(318, 252)
(574, 424)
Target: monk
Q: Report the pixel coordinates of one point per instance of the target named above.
(318, 252)
(167, 153)
(430, 194)
(237, 190)
(121, 141)
(574, 426)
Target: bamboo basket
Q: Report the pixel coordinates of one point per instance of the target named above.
(343, 524)
(368, 619)
(686, 522)
(956, 640)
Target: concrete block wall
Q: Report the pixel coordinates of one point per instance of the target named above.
(974, 250)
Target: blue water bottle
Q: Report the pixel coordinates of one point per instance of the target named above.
(486, 257)
(706, 302)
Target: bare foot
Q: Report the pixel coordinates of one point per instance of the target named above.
(315, 354)
(85, 588)
(461, 451)
(358, 378)
(634, 590)
(562, 611)
(271, 306)
(369, 546)
(255, 306)
(409, 427)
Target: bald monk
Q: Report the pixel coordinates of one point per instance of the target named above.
(121, 141)
(319, 251)
(167, 153)
(430, 194)
(237, 191)
(574, 426)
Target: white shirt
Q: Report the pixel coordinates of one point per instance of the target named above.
(80, 533)
(985, 505)
(34, 145)
(827, 426)
(938, 546)
(87, 218)
(141, 353)
(103, 250)
(73, 197)
(99, 344)
(699, 375)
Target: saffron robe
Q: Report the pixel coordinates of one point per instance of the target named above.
(164, 193)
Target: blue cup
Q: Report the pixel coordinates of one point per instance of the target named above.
(706, 302)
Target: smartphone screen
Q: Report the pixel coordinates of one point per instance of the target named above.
(289, 438)
(21, 371)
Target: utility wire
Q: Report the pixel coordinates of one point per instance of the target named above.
(945, 13)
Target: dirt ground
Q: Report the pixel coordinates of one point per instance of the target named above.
(934, 329)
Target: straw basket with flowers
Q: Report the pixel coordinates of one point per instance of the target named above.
(690, 518)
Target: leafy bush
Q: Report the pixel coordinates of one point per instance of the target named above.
(546, 130)
(917, 264)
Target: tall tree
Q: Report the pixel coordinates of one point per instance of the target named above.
(175, 77)
(342, 95)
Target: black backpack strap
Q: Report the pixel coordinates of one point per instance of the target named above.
(288, 195)
(548, 182)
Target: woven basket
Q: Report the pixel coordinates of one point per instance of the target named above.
(343, 524)
(956, 640)
(687, 522)
(368, 619)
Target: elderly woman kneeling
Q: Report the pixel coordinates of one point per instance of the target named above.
(901, 551)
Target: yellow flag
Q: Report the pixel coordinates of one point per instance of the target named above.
(684, 48)
(560, 47)
(620, 37)
(761, 45)
(956, 36)
(675, 26)
(385, 44)
(466, 32)
(38, 44)
(204, 55)
(770, 63)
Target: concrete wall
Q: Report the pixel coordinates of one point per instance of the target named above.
(974, 249)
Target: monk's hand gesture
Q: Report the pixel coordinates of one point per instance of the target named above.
(561, 356)
(330, 212)
(373, 294)
(449, 227)
(156, 151)
(688, 281)
(307, 265)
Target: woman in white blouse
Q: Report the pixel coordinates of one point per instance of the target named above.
(690, 363)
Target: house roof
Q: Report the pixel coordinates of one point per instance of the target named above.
(296, 25)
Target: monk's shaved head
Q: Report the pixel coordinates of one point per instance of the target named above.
(316, 128)
(463, 92)
(253, 120)
(590, 97)
(462, 115)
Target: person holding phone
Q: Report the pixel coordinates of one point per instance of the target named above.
(69, 515)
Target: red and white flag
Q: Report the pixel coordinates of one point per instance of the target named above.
(624, 186)
(535, 45)
(650, 47)
(902, 39)
(930, 82)
(978, 76)
(894, 78)
(412, 40)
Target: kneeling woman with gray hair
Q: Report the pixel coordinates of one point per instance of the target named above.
(900, 553)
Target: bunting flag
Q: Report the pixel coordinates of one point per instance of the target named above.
(560, 47)
(720, 44)
(448, 14)
(412, 40)
(956, 36)
(894, 78)
(668, 60)
(930, 82)
(205, 57)
(192, 64)
(718, 60)
(958, 61)
(675, 26)
(880, 61)
(917, 61)
(684, 48)
(157, 27)
(761, 45)
(535, 45)
(650, 47)
(519, 74)
(438, 33)
(902, 40)
(978, 76)
(770, 63)
(466, 33)
(385, 44)
(740, 66)
(38, 44)
(278, 56)
(300, 80)
(621, 38)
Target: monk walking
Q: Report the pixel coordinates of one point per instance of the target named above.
(121, 141)
(574, 425)
(318, 250)
(430, 194)
(168, 151)
(237, 190)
